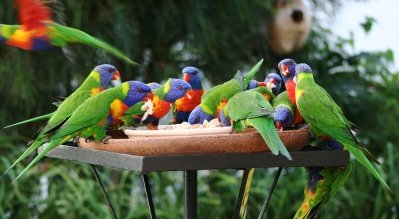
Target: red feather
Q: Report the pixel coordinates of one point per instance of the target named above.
(32, 13)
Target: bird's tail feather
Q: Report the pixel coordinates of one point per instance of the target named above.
(28, 151)
(53, 144)
(247, 77)
(362, 158)
(37, 118)
(78, 36)
(269, 133)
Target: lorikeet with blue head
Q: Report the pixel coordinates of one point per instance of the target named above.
(39, 32)
(284, 111)
(216, 98)
(95, 83)
(287, 70)
(192, 98)
(91, 118)
(157, 103)
(273, 82)
(326, 119)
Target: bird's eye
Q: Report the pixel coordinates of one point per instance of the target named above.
(197, 119)
(110, 70)
(180, 87)
(194, 73)
(140, 90)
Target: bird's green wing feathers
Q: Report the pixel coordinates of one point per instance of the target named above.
(62, 35)
(245, 78)
(317, 102)
(266, 129)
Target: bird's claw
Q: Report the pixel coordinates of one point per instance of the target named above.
(105, 140)
(89, 139)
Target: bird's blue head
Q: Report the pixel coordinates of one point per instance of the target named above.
(175, 89)
(154, 85)
(198, 116)
(137, 91)
(273, 80)
(223, 119)
(283, 117)
(302, 69)
(287, 69)
(252, 84)
(107, 73)
(192, 76)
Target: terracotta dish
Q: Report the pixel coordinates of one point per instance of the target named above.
(249, 141)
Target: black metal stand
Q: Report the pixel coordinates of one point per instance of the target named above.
(190, 194)
(149, 196)
(191, 163)
(267, 201)
(111, 208)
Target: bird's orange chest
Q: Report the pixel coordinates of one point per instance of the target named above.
(290, 86)
(117, 108)
(23, 39)
(189, 101)
(161, 107)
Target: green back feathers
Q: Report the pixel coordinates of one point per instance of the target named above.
(223, 92)
(248, 104)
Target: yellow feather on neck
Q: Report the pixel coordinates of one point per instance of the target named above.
(95, 75)
(166, 87)
(125, 88)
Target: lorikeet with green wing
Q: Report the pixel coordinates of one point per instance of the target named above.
(250, 108)
(284, 111)
(38, 32)
(323, 184)
(215, 98)
(90, 119)
(159, 101)
(96, 82)
(192, 98)
(326, 119)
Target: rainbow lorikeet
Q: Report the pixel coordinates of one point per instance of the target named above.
(323, 184)
(92, 117)
(157, 103)
(250, 108)
(96, 82)
(287, 70)
(192, 98)
(284, 111)
(216, 97)
(326, 119)
(38, 32)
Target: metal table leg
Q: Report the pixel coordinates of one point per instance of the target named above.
(243, 195)
(190, 194)
(111, 208)
(267, 201)
(149, 196)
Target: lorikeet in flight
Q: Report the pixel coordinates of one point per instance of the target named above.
(91, 118)
(216, 97)
(96, 82)
(38, 32)
(192, 98)
(326, 119)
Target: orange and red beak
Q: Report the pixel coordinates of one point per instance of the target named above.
(285, 70)
(116, 75)
(273, 81)
(279, 126)
(186, 77)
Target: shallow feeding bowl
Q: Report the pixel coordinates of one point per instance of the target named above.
(196, 141)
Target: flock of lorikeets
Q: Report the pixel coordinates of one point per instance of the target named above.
(92, 110)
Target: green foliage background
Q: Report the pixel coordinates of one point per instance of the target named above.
(219, 37)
